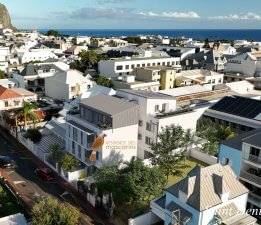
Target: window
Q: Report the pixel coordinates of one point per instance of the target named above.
(148, 140)
(164, 106)
(148, 64)
(81, 138)
(69, 130)
(73, 89)
(156, 108)
(148, 126)
(225, 161)
(73, 147)
(75, 134)
(153, 64)
(158, 64)
(127, 67)
(143, 65)
(147, 155)
(79, 152)
(132, 66)
(87, 154)
(6, 103)
(119, 67)
(254, 151)
(138, 65)
(140, 123)
(98, 156)
(139, 136)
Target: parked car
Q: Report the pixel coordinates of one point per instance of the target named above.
(45, 173)
(5, 162)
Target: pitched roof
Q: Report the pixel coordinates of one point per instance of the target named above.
(32, 69)
(69, 77)
(108, 104)
(238, 106)
(203, 186)
(6, 93)
(236, 142)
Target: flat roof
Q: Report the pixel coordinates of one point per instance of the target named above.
(108, 104)
(139, 59)
(147, 94)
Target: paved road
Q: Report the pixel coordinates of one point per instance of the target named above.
(33, 187)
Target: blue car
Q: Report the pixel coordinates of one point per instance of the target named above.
(5, 162)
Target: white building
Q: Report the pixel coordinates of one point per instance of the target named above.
(14, 98)
(246, 64)
(37, 55)
(83, 39)
(99, 115)
(33, 76)
(66, 85)
(157, 110)
(8, 83)
(124, 66)
(210, 195)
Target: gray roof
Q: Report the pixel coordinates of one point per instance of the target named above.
(81, 127)
(161, 201)
(236, 142)
(147, 94)
(108, 104)
(49, 140)
(254, 139)
(32, 69)
(203, 188)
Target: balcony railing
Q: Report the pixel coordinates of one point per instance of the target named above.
(254, 198)
(250, 177)
(253, 158)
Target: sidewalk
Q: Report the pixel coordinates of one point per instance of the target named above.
(89, 213)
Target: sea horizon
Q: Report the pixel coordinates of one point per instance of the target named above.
(212, 34)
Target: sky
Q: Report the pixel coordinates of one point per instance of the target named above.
(135, 14)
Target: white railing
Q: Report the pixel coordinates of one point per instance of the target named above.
(250, 177)
(254, 198)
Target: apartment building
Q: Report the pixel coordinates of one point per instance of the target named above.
(210, 195)
(243, 154)
(117, 67)
(157, 110)
(248, 64)
(164, 75)
(103, 115)
(240, 113)
(37, 55)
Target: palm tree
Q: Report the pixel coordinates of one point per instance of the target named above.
(88, 57)
(28, 111)
(224, 133)
(57, 154)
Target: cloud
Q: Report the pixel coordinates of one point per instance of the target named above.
(171, 15)
(113, 1)
(247, 16)
(94, 13)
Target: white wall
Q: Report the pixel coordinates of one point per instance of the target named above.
(208, 159)
(145, 219)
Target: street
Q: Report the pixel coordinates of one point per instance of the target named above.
(33, 188)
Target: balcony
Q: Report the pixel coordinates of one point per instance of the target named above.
(253, 159)
(250, 177)
(254, 199)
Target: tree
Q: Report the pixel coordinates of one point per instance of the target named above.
(33, 134)
(69, 163)
(169, 151)
(134, 40)
(138, 178)
(57, 154)
(224, 133)
(2, 74)
(52, 212)
(89, 58)
(28, 111)
(132, 183)
(104, 81)
(53, 33)
(206, 44)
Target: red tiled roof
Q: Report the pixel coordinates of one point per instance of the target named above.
(6, 93)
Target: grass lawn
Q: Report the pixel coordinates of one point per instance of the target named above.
(191, 163)
(8, 204)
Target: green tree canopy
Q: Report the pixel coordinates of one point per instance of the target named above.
(2, 74)
(169, 150)
(104, 81)
(69, 163)
(52, 212)
(56, 154)
(53, 33)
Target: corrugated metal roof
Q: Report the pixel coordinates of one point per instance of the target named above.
(49, 140)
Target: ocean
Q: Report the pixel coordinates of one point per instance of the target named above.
(212, 34)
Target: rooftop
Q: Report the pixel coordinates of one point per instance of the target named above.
(239, 106)
(147, 94)
(108, 104)
(138, 59)
(203, 186)
(32, 69)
